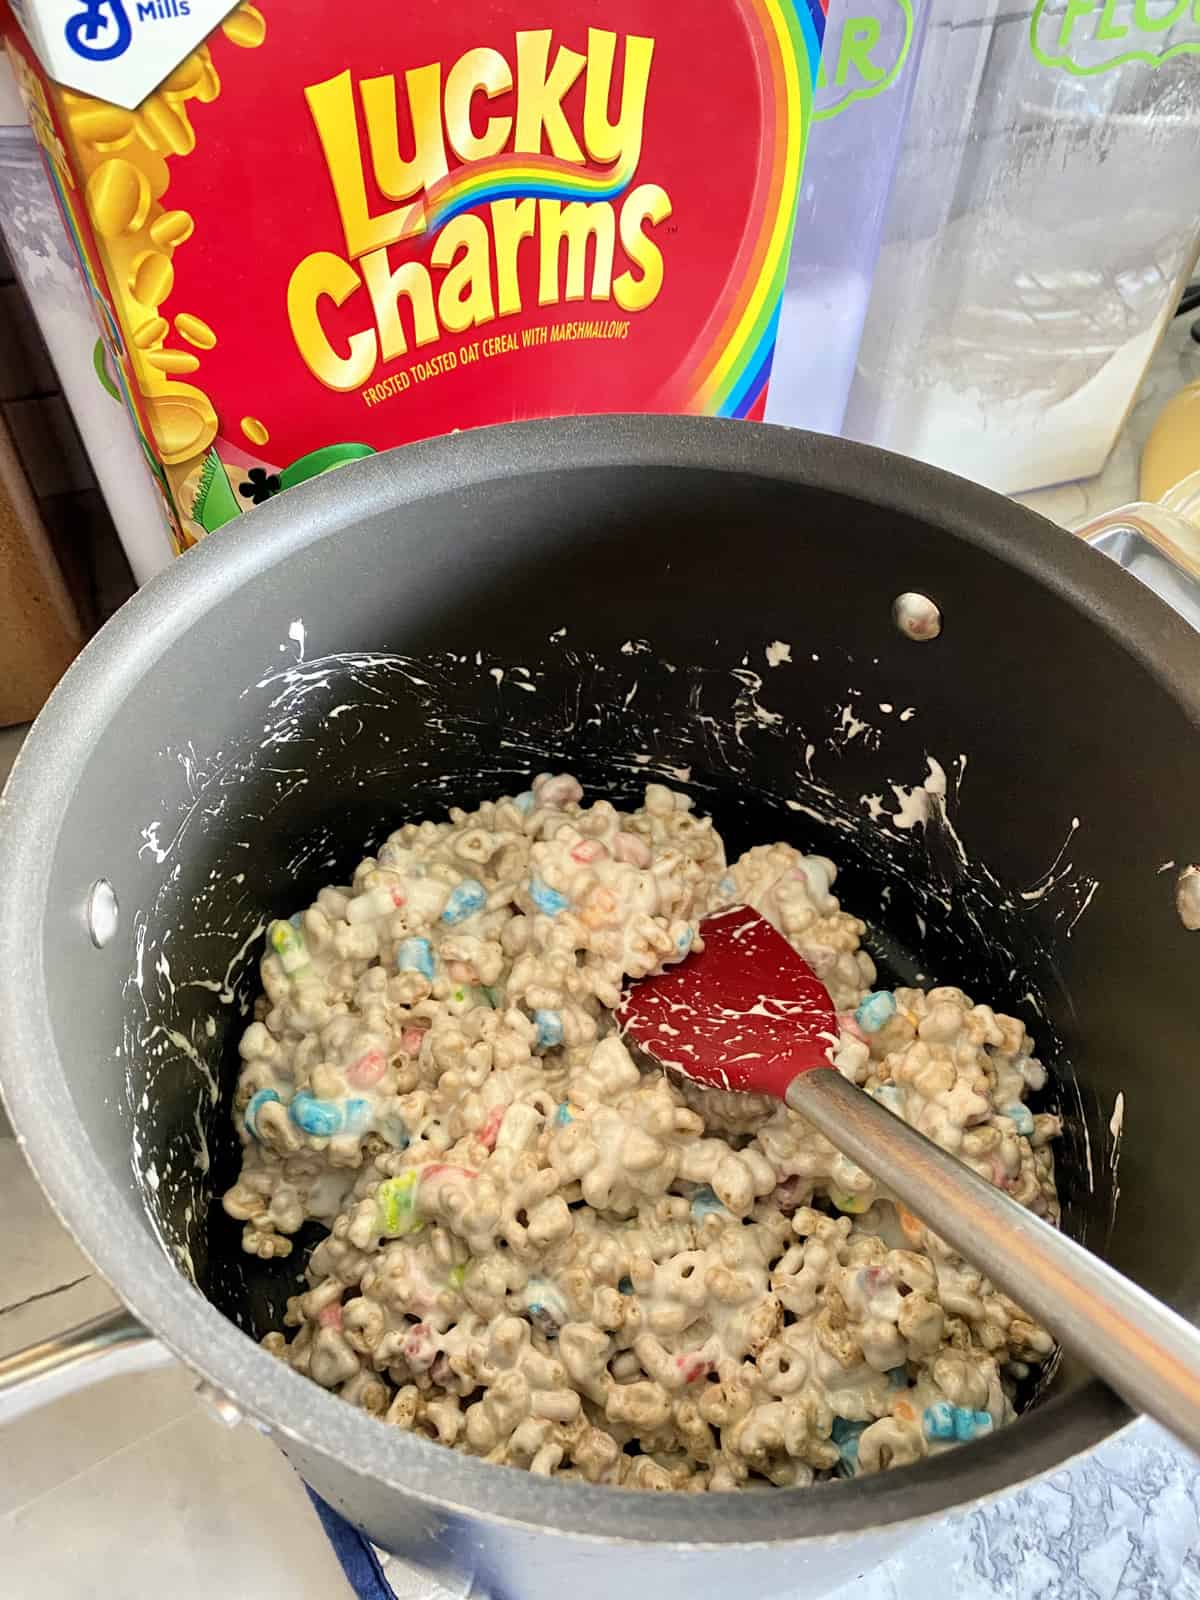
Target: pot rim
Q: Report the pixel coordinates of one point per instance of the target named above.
(97, 1212)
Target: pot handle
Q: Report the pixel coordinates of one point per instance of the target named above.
(105, 1347)
(1158, 546)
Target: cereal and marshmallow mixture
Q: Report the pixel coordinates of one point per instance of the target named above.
(547, 1254)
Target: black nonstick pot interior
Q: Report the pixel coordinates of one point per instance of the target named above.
(607, 597)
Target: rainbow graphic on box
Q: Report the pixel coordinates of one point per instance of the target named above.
(731, 379)
(482, 183)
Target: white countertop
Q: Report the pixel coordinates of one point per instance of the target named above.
(129, 1491)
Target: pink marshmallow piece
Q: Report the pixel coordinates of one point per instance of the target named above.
(367, 1070)
(589, 850)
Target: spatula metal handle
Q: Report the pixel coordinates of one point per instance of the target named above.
(1147, 1353)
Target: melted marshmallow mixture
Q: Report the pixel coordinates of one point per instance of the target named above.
(545, 1253)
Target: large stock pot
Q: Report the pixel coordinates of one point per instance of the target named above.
(600, 595)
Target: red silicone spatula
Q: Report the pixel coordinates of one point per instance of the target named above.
(748, 1013)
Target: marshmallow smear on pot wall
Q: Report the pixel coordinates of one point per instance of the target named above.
(318, 236)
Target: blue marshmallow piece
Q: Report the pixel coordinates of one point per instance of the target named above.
(358, 1115)
(466, 898)
(706, 1204)
(415, 955)
(321, 1118)
(961, 1423)
(524, 802)
(547, 899)
(255, 1105)
(970, 1424)
(549, 1025)
(846, 1434)
(938, 1421)
(394, 1129)
(874, 1010)
(563, 1115)
(547, 1306)
(1022, 1119)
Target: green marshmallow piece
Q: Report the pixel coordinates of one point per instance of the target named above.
(288, 944)
(396, 1205)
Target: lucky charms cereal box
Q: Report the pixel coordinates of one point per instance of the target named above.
(315, 231)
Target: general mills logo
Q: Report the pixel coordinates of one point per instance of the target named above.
(101, 31)
(116, 50)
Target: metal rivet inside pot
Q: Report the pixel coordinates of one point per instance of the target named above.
(916, 616)
(103, 912)
(1187, 898)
